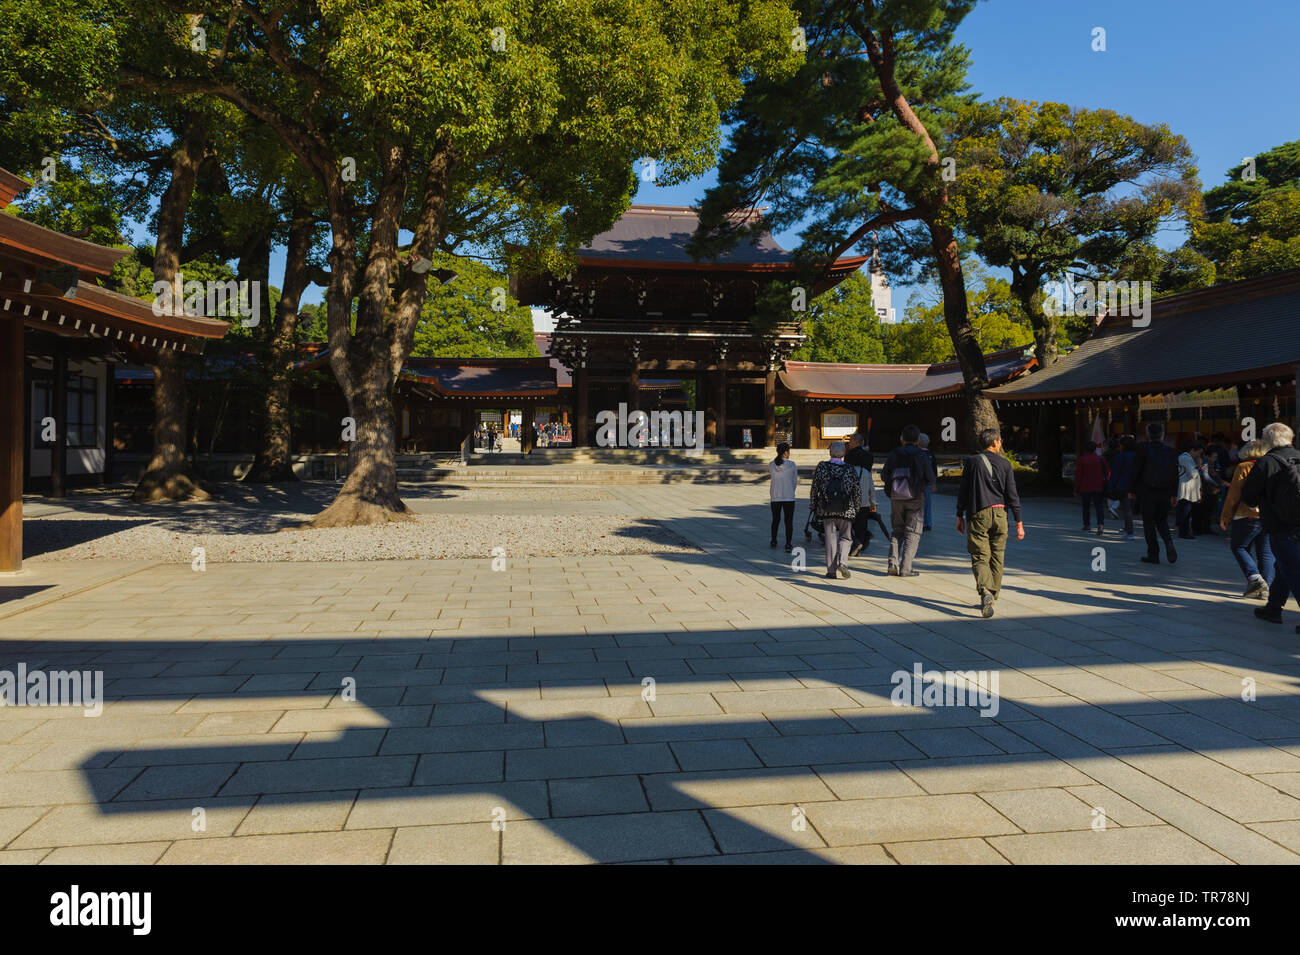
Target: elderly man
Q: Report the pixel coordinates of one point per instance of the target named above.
(1273, 486)
(835, 499)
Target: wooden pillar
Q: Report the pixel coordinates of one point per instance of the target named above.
(110, 431)
(769, 408)
(526, 428)
(59, 411)
(720, 406)
(580, 387)
(12, 384)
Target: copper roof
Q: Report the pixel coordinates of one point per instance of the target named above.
(1239, 332)
(657, 237)
(484, 377)
(834, 381)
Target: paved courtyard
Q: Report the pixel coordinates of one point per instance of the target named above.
(441, 711)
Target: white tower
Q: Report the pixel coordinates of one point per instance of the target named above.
(882, 298)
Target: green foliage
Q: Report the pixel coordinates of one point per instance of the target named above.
(1043, 188)
(922, 338)
(842, 326)
(1252, 227)
(473, 316)
(824, 149)
(76, 202)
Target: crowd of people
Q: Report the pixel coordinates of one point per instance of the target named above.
(1250, 493)
(844, 502)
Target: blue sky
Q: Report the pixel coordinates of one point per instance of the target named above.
(1221, 75)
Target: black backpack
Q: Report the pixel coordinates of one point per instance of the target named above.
(839, 493)
(1161, 468)
(1284, 492)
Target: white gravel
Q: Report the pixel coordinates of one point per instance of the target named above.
(258, 524)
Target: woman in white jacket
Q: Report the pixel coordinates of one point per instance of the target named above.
(1189, 487)
(785, 478)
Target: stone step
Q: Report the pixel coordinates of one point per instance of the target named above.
(589, 475)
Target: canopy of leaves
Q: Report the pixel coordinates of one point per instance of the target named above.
(1252, 226)
(842, 326)
(824, 149)
(922, 338)
(473, 316)
(1043, 188)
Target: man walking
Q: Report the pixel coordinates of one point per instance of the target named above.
(905, 476)
(988, 488)
(1273, 486)
(835, 499)
(1155, 488)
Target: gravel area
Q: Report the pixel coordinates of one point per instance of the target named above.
(260, 524)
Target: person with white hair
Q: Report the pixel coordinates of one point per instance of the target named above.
(835, 499)
(1273, 486)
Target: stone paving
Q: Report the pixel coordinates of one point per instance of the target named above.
(446, 712)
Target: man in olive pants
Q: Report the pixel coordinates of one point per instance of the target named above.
(988, 488)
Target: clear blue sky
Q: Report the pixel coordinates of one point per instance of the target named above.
(1223, 75)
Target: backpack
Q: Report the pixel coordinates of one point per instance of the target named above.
(903, 485)
(1284, 492)
(839, 493)
(1161, 467)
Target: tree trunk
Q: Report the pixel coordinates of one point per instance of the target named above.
(979, 410)
(369, 495)
(368, 361)
(272, 462)
(167, 478)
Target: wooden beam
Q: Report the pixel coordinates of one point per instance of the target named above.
(12, 384)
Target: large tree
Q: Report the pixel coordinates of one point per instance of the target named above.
(394, 106)
(1046, 188)
(850, 146)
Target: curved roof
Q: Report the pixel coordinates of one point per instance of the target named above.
(658, 236)
(833, 381)
(1238, 332)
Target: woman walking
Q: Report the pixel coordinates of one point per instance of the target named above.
(785, 478)
(1090, 485)
(1189, 487)
(1246, 533)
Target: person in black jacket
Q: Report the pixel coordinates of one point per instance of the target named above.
(859, 457)
(1273, 486)
(1155, 488)
(905, 476)
(988, 489)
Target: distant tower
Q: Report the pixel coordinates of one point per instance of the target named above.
(882, 298)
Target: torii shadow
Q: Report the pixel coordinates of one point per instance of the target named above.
(639, 807)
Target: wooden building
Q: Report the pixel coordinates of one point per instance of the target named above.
(1206, 361)
(60, 335)
(831, 401)
(639, 305)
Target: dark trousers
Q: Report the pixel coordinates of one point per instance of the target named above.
(1286, 568)
(861, 527)
(1155, 520)
(1097, 500)
(1201, 512)
(1245, 533)
(780, 508)
(1183, 518)
(1126, 512)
